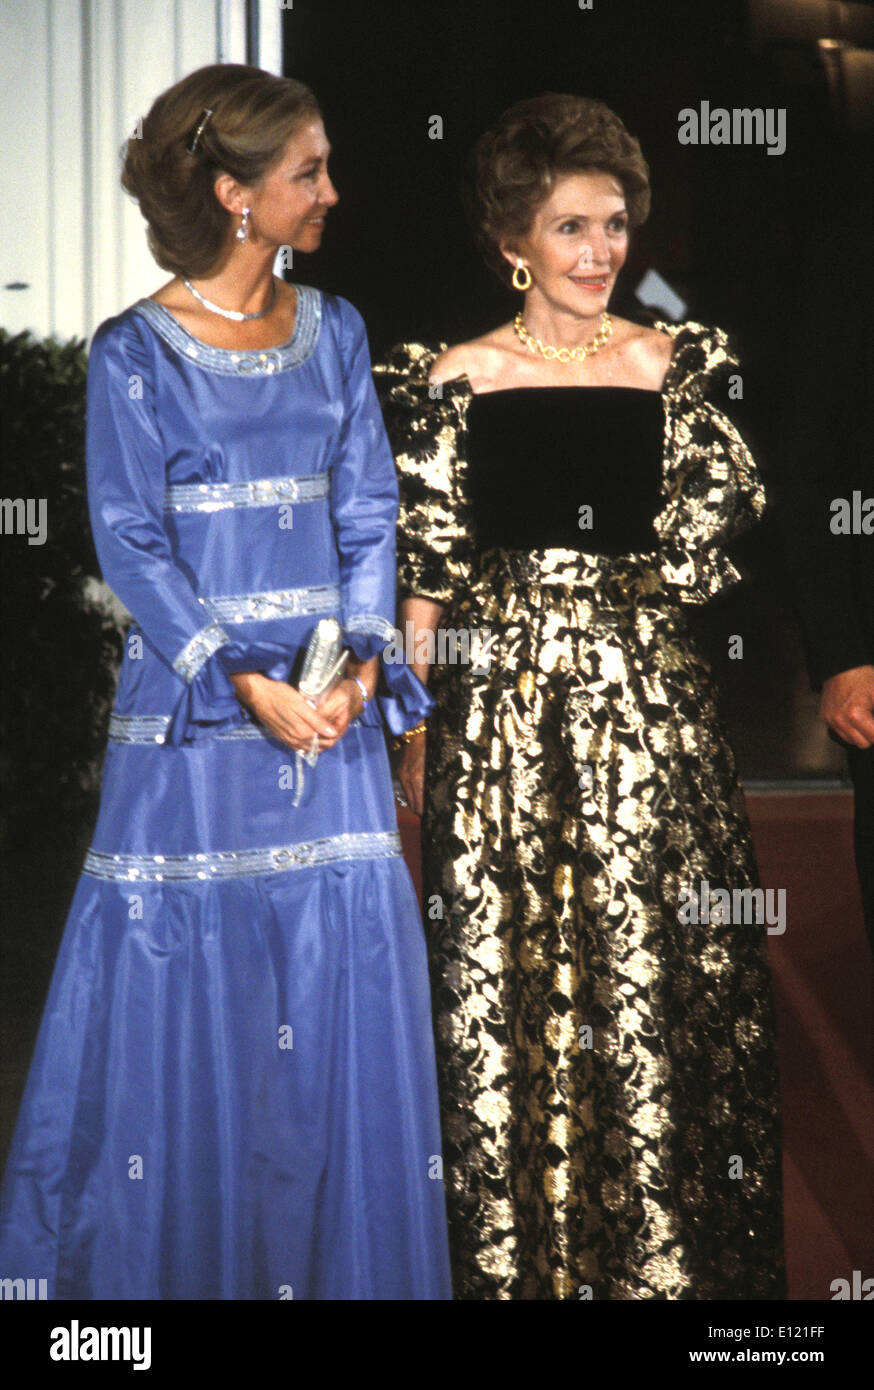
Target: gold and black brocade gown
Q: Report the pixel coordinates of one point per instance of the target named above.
(609, 1083)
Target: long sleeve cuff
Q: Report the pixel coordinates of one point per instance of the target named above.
(401, 700)
(830, 659)
(367, 635)
(208, 703)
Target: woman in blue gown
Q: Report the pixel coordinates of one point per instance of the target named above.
(233, 1092)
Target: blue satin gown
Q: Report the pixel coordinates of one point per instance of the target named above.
(233, 1092)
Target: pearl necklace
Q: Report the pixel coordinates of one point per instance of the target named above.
(236, 314)
(578, 354)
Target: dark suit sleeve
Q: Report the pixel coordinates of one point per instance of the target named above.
(824, 446)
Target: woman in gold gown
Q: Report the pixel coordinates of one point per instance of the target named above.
(569, 483)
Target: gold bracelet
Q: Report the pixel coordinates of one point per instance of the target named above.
(410, 734)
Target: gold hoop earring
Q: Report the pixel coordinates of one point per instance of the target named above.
(519, 285)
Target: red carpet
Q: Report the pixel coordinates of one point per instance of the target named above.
(824, 982)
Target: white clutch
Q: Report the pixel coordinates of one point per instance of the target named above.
(323, 667)
(324, 662)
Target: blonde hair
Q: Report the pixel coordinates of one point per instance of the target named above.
(254, 115)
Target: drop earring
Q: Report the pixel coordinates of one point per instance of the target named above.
(243, 229)
(518, 282)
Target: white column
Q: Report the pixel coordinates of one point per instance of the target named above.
(75, 76)
(270, 35)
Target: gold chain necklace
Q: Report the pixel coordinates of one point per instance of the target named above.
(578, 354)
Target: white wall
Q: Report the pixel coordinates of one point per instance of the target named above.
(74, 76)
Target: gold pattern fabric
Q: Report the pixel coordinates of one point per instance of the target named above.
(608, 1074)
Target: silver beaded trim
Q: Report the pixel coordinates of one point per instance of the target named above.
(138, 728)
(198, 651)
(173, 868)
(372, 624)
(272, 603)
(261, 492)
(152, 728)
(264, 362)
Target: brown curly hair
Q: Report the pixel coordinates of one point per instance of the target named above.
(514, 165)
(255, 114)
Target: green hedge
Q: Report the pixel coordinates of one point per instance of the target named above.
(59, 653)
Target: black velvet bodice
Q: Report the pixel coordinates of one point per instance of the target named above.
(536, 455)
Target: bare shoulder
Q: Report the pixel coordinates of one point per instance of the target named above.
(647, 350)
(476, 359)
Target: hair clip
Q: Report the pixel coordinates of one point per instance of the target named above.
(205, 115)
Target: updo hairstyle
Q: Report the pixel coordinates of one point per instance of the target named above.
(254, 115)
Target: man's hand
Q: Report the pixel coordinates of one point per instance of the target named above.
(847, 705)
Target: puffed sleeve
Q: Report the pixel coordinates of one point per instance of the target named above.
(126, 479)
(423, 423)
(364, 506)
(712, 490)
